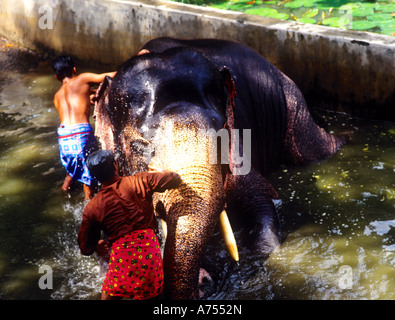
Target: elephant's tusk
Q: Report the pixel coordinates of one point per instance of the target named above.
(226, 231)
(164, 227)
(228, 235)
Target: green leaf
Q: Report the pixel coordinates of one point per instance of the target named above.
(337, 22)
(310, 13)
(363, 25)
(261, 11)
(390, 33)
(268, 12)
(379, 17)
(300, 3)
(324, 7)
(307, 20)
(388, 29)
(224, 6)
(308, 3)
(387, 24)
(362, 12)
(350, 6)
(368, 5)
(385, 8)
(294, 4)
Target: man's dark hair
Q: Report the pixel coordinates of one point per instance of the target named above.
(63, 67)
(101, 165)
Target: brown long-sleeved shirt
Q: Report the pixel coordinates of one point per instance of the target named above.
(123, 207)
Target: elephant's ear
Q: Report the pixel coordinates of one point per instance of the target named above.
(106, 83)
(230, 119)
(231, 88)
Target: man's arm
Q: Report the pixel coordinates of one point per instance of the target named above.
(90, 78)
(89, 233)
(161, 181)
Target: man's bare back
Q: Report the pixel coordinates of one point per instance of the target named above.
(73, 99)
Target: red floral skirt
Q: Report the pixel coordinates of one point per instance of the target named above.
(135, 269)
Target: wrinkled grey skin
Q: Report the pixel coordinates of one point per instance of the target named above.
(154, 110)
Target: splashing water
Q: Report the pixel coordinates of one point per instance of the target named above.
(83, 275)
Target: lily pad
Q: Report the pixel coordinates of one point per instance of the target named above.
(310, 13)
(362, 12)
(350, 6)
(337, 22)
(324, 7)
(390, 33)
(385, 8)
(388, 29)
(300, 3)
(268, 12)
(307, 20)
(231, 5)
(363, 25)
(223, 6)
(379, 17)
(281, 16)
(309, 3)
(387, 24)
(294, 4)
(261, 11)
(368, 5)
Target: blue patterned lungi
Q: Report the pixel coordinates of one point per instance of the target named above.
(76, 142)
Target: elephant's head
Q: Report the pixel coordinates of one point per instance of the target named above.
(157, 110)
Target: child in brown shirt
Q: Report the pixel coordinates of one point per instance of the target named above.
(123, 209)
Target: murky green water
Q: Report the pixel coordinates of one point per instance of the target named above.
(338, 224)
(338, 215)
(372, 16)
(38, 224)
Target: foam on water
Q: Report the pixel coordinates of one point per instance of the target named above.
(79, 277)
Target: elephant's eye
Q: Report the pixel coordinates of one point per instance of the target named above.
(139, 146)
(143, 103)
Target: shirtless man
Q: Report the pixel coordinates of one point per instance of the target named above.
(76, 138)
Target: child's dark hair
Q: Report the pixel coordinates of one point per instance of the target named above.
(63, 67)
(101, 165)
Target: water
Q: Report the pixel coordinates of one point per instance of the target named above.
(338, 225)
(338, 215)
(365, 15)
(38, 224)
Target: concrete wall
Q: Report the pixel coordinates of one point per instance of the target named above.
(353, 71)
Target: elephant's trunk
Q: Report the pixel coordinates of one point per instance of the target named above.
(191, 221)
(192, 210)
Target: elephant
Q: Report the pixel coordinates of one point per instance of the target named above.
(173, 107)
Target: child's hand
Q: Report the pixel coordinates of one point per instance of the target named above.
(92, 96)
(155, 165)
(103, 248)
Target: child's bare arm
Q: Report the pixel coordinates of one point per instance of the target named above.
(95, 77)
